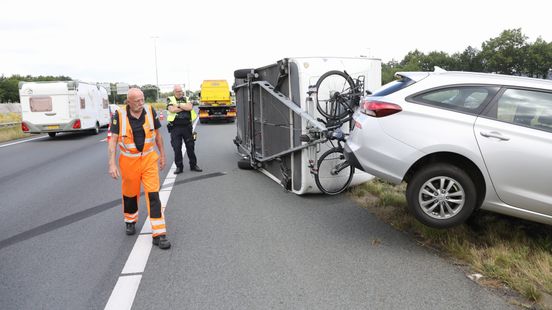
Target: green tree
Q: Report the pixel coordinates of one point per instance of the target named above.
(469, 60)
(10, 89)
(388, 71)
(150, 92)
(2, 91)
(509, 53)
(440, 59)
(413, 61)
(538, 59)
(504, 54)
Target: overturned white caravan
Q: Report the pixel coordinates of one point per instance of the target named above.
(293, 117)
(63, 106)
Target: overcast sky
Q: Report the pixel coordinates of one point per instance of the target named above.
(111, 41)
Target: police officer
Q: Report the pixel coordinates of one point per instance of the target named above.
(180, 118)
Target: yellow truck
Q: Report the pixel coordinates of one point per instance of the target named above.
(215, 102)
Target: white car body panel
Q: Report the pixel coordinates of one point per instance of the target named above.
(517, 172)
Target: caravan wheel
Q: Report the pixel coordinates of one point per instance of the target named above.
(244, 164)
(52, 134)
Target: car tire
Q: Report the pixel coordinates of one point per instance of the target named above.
(244, 164)
(453, 198)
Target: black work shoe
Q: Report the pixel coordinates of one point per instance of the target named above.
(130, 228)
(162, 242)
(178, 170)
(196, 168)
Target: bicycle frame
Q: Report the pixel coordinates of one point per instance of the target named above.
(268, 135)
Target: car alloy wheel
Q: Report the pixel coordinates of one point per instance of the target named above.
(441, 195)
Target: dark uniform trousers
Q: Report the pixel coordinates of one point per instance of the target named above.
(181, 133)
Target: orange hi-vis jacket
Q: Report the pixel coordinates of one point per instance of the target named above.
(140, 167)
(126, 138)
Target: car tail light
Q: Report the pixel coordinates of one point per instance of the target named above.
(77, 124)
(379, 108)
(24, 127)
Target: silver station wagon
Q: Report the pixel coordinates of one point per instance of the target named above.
(461, 141)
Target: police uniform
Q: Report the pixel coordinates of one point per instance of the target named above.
(181, 130)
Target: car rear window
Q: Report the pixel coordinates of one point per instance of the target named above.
(471, 99)
(393, 86)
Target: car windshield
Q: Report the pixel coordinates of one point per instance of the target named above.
(393, 86)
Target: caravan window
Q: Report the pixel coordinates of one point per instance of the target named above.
(82, 103)
(105, 104)
(40, 104)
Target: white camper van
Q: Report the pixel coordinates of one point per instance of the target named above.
(63, 106)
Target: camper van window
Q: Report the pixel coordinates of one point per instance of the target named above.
(40, 104)
(105, 104)
(83, 103)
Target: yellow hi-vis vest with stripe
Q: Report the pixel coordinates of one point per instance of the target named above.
(171, 115)
(126, 138)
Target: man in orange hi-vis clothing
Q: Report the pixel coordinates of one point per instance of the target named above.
(135, 131)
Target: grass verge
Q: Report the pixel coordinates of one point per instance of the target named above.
(11, 133)
(159, 106)
(505, 250)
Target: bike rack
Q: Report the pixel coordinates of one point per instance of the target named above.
(270, 118)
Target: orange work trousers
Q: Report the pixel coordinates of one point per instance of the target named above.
(142, 170)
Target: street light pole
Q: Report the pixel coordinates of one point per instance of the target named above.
(156, 75)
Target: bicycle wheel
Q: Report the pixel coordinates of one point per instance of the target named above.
(334, 172)
(335, 94)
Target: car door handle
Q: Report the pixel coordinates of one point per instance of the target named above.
(51, 113)
(494, 134)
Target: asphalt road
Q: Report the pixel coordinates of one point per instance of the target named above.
(239, 240)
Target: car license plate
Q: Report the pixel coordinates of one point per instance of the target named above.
(51, 127)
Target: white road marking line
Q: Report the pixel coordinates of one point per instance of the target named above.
(164, 197)
(138, 257)
(146, 229)
(125, 289)
(122, 296)
(124, 292)
(27, 140)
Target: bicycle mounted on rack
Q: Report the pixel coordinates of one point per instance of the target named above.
(336, 95)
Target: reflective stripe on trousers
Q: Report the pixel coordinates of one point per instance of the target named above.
(142, 170)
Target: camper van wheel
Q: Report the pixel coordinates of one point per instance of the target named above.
(96, 129)
(244, 164)
(52, 134)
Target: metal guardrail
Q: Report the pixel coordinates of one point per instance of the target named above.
(8, 125)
